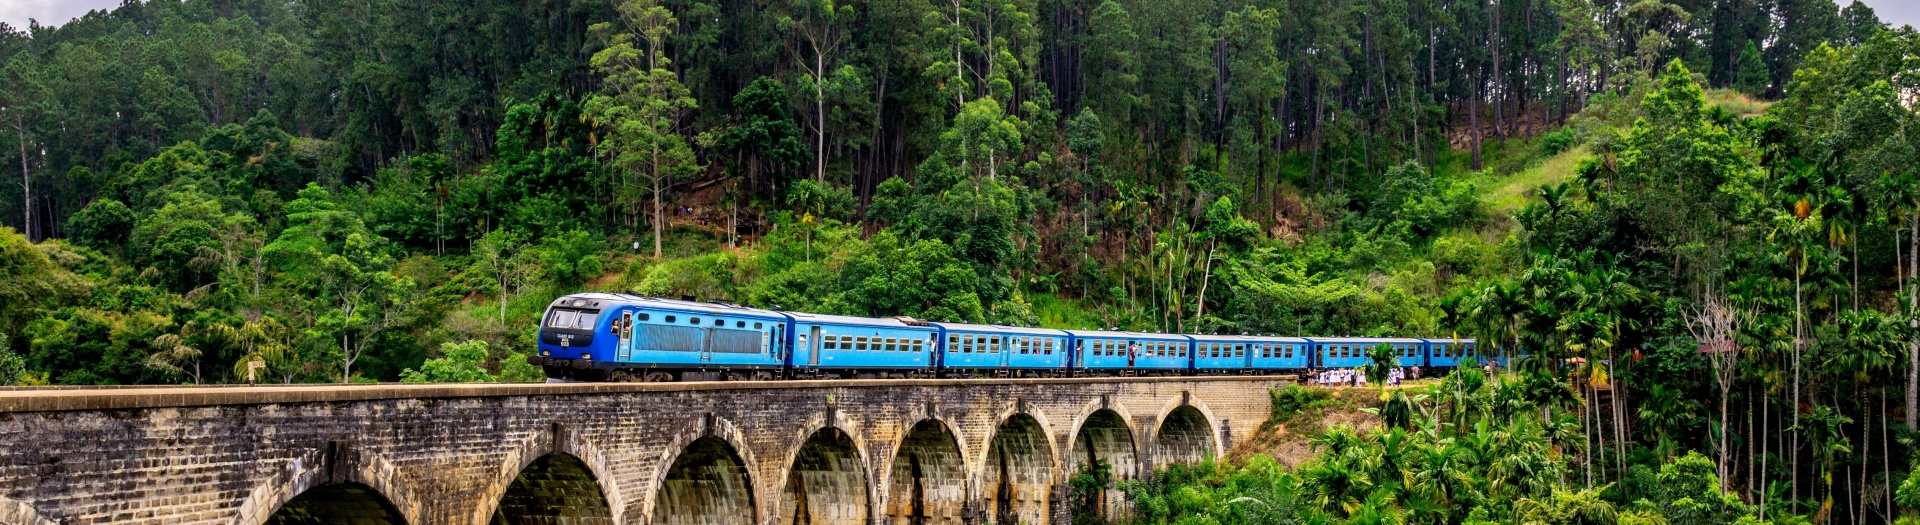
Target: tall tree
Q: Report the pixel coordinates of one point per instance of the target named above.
(641, 106)
(822, 27)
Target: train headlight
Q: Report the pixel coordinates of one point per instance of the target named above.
(586, 356)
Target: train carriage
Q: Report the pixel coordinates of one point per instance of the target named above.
(835, 346)
(1131, 353)
(1449, 353)
(621, 337)
(1262, 353)
(1351, 352)
(980, 350)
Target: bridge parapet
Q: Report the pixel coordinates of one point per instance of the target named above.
(748, 453)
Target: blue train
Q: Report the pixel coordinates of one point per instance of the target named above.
(624, 337)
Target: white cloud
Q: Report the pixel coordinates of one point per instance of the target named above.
(48, 12)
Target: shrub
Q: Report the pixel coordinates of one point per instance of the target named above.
(1294, 399)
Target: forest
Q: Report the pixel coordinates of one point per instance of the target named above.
(1699, 219)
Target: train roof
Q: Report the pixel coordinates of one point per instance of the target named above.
(602, 300)
(1365, 340)
(1447, 340)
(847, 320)
(1248, 338)
(991, 328)
(1123, 334)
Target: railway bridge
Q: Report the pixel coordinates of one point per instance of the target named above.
(868, 452)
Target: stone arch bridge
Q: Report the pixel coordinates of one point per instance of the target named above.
(905, 452)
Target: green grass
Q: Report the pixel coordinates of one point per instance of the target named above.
(1736, 102)
(1508, 193)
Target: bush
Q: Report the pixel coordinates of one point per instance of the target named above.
(1556, 141)
(1294, 399)
(464, 362)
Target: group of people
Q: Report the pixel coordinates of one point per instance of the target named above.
(1358, 377)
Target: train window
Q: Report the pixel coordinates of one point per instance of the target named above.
(1239, 350)
(644, 316)
(919, 346)
(693, 321)
(829, 342)
(895, 344)
(756, 326)
(1049, 345)
(669, 318)
(740, 324)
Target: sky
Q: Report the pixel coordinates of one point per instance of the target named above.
(57, 12)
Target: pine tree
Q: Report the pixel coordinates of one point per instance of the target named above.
(1750, 72)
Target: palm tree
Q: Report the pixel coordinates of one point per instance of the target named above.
(1797, 230)
(1381, 360)
(1584, 507)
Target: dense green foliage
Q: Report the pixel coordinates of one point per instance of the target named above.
(1698, 217)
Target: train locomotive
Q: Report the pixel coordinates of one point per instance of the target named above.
(633, 338)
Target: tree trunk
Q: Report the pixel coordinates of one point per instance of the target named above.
(26, 180)
(1473, 122)
(1913, 302)
(1766, 409)
(820, 109)
(1794, 449)
(1205, 275)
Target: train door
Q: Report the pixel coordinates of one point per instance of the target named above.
(813, 347)
(625, 329)
(1006, 345)
(706, 344)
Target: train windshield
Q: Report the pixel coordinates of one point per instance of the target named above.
(572, 319)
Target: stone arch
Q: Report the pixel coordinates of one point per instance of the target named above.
(927, 479)
(1214, 425)
(336, 464)
(334, 503)
(706, 426)
(1185, 437)
(554, 489)
(1106, 435)
(1019, 473)
(709, 483)
(827, 482)
(20, 513)
(537, 447)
